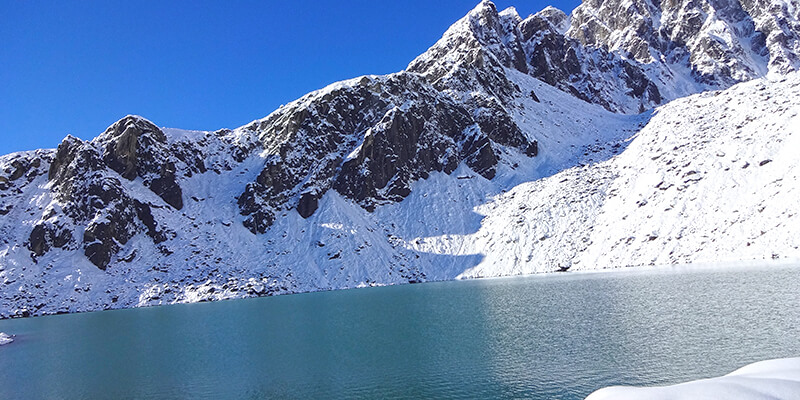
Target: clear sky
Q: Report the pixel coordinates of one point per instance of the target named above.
(75, 67)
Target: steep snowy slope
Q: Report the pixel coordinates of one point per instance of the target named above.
(711, 178)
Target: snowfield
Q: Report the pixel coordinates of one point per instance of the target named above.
(765, 380)
(711, 178)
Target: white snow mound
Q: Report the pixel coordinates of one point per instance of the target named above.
(5, 339)
(766, 380)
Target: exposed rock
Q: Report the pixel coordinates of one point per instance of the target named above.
(72, 156)
(21, 166)
(259, 214)
(403, 146)
(135, 147)
(490, 42)
(720, 42)
(480, 156)
(167, 188)
(47, 235)
(533, 149)
(90, 195)
(308, 204)
(368, 139)
(144, 213)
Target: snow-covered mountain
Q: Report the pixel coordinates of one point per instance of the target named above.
(511, 146)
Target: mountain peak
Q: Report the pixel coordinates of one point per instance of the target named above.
(557, 19)
(484, 41)
(484, 5)
(663, 50)
(132, 125)
(481, 18)
(509, 12)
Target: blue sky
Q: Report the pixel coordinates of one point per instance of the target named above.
(75, 67)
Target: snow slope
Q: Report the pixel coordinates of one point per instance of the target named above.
(710, 178)
(765, 380)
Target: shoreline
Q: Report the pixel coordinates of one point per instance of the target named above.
(693, 267)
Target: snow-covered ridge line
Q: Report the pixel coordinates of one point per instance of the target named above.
(627, 56)
(765, 380)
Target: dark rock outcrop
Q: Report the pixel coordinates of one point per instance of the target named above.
(308, 204)
(134, 147)
(92, 196)
(47, 235)
(368, 139)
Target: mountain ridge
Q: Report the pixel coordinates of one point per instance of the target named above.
(143, 215)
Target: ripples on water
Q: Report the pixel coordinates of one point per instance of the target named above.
(547, 337)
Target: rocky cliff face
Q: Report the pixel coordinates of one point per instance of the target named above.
(711, 43)
(85, 183)
(369, 139)
(627, 56)
(476, 51)
(334, 190)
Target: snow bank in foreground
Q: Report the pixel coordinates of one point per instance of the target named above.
(767, 380)
(5, 339)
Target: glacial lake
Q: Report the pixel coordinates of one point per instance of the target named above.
(543, 337)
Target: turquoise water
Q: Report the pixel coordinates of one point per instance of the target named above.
(548, 337)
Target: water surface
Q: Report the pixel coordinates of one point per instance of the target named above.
(547, 337)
